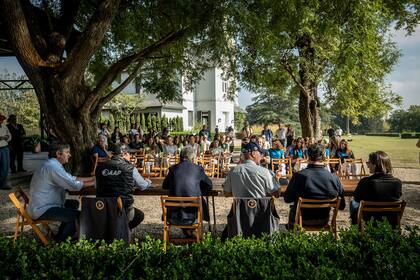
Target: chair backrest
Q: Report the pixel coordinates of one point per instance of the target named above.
(183, 202)
(20, 200)
(252, 216)
(305, 203)
(103, 218)
(352, 167)
(380, 209)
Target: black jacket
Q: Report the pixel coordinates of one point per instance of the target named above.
(378, 187)
(314, 182)
(187, 179)
(115, 178)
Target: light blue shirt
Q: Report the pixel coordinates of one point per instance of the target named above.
(250, 180)
(140, 182)
(48, 187)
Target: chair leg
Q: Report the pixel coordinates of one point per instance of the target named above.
(17, 227)
(40, 234)
(165, 237)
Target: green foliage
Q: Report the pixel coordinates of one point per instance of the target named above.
(239, 118)
(123, 106)
(405, 120)
(380, 253)
(143, 122)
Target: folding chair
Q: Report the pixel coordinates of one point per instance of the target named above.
(209, 165)
(353, 163)
(174, 201)
(334, 163)
(282, 163)
(367, 208)
(21, 200)
(95, 162)
(304, 203)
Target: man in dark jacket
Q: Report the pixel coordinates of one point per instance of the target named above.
(16, 144)
(314, 182)
(187, 179)
(118, 177)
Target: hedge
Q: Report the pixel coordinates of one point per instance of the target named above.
(383, 134)
(380, 253)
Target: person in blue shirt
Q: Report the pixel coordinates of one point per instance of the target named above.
(100, 150)
(276, 151)
(268, 133)
(343, 151)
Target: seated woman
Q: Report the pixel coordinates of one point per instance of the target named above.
(170, 148)
(277, 151)
(343, 151)
(298, 152)
(125, 142)
(178, 143)
(381, 186)
(137, 143)
(116, 136)
(100, 150)
(215, 148)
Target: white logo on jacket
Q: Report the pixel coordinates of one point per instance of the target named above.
(107, 172)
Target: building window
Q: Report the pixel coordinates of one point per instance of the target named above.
(224, 87)
(190, 118)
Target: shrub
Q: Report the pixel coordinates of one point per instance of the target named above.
(380, 253)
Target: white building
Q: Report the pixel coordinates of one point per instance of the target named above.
(206, 104)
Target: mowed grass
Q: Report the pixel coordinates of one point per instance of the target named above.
(403, 152)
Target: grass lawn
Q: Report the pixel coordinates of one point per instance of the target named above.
(403, 152)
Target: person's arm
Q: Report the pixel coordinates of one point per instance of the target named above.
(205, 183)
(7, 136)
(139, 181)
(22, 130)
(87, 181)
(292, 191)
(227, 186)
(65, 180)
(168, 181)
(273, 185)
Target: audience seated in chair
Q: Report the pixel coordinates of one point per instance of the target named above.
(47, 192)
(381, 186)
(118, 177)
(187, 179)
(313, 182)
(100, 150)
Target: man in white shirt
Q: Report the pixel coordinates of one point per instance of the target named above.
(5, 138)
(47, 192)
(281, 134)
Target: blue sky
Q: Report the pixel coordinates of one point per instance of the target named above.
(404, 80)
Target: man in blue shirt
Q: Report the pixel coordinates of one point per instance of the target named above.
(47, 192)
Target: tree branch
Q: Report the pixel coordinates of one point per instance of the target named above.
(289, 70)
(91, 38)
(14, 20)
(118, 67)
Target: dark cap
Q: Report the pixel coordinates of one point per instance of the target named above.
(250, 147)
(118, 149)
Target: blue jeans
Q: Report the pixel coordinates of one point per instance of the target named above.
(354, 208)
(67, 215)
(4, 166)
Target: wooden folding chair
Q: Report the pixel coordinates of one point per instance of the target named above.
(354, 162)
(334, 163)
(21, 200)
(304, 203)
(282, 162)
(210, 166)
(374, 207)
(95, 162)
(174, 201)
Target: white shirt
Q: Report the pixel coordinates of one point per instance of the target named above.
(281, 133)
(4, 131)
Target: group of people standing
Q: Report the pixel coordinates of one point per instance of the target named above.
(11, 148)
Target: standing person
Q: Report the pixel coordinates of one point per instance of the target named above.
(418, 146)
(16, 144)
(205, 132)
(47, 192)
(330, 132)
(281, 134)
(380, 186)
(216, 130)
(117, 177)
(187, 179)
(246, 130)
(5, 137)
(133, 131)
(314, 182)
(339, 132)
(103, 130)
(290, 135)
(268, 133)
(231, 134)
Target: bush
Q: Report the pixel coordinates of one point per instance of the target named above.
(380, 253)
(383, 134)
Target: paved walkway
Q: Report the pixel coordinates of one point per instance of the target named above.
(31, 162)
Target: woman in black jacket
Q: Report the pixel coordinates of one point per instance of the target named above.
(380, 186)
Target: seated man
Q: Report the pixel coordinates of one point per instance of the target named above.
(47, 192)
(249, 179)
(187, 179)
(118, 177)
(314, 182)
(100, 150)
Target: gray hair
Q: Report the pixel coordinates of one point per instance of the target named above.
(188, 154)
(57, 147)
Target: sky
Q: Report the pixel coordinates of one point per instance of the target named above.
(404, 79)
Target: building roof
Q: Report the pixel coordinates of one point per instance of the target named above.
(149, 103)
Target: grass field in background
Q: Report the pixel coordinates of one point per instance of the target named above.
(403, 152)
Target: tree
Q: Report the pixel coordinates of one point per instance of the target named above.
(72, 52)
(239, 119)
(124, 105)
(405, 120)
(143, 122)
(344, 47)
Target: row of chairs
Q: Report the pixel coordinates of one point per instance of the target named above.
(21, 200)
(349, 169)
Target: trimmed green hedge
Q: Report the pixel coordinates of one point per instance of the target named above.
(383, 134)
(378, 254)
